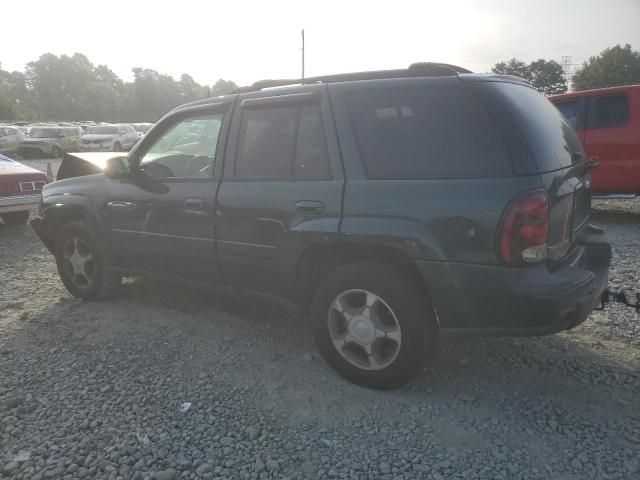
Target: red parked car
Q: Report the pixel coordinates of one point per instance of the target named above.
(20, 189)
(608, 123)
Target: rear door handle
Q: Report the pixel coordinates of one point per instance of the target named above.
(309, 207)
(195, 206)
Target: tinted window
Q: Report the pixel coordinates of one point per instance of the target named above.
(422, 132)
(551, 138)
(570, 111)
(282, 143)
(611, 111)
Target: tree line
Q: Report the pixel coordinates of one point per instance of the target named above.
(71, 88)
(67, 88)
(618, 65)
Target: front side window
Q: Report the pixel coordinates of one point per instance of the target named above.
(570, 111)
(185, 150)
(611, 111)
(283, 143)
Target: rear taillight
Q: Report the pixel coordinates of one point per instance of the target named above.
(523, 231)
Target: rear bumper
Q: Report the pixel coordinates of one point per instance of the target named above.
(473, 300)
(18, 203)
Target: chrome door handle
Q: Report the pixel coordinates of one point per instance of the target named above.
(119, 205)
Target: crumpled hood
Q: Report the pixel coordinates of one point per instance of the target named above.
(80, 164)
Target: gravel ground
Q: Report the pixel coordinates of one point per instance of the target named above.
(95, 389)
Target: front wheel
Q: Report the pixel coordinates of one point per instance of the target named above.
(117, 147)
(373, 324)
(82, 263)
(56, 152)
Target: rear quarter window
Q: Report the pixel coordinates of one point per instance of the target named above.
(425, 133)
(550, 136)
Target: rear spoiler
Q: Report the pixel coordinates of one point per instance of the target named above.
(84, 163)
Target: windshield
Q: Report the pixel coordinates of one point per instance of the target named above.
(45, 132)
(103, 130)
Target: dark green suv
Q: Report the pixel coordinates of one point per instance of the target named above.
(399, 206)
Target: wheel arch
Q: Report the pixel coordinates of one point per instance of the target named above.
(319, 260)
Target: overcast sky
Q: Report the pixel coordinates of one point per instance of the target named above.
(246, 40)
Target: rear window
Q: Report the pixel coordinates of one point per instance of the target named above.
(426, 132)
(550, 136)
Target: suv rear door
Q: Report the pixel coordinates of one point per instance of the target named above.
(281, 190)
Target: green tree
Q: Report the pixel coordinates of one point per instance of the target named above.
(512, 67)
(222, 87)
(614, 66)
(63, 88)
(545, 76)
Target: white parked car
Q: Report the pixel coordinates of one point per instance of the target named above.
(10, 138)
(116, 138)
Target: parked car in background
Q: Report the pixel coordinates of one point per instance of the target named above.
(116, 138)
(24, 130)
(10, 138)
(397, 206)
(608, 123)
(20, 188)
(50, 141)
(142, 128)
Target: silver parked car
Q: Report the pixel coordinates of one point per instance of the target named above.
(114, 138)
(10, 138)
(50, 141)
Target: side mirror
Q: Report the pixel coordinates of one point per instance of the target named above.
(117, 167)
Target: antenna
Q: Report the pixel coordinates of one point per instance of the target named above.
(302, 53)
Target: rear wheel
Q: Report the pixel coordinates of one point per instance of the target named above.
(82, 263)
(15, 218)
(373, 324)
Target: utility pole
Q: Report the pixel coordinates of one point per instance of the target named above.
(303, 53)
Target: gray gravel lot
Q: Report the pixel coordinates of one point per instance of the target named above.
(94, 389)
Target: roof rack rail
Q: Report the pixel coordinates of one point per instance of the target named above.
(421, 69)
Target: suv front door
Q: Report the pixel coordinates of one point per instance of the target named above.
(162, 217)
(281, 191)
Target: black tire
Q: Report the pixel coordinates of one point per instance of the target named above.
(408, 302)
(55, 152)
(99, 281)
(15, 218)
(117, 147)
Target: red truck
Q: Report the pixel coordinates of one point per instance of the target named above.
(608, 123)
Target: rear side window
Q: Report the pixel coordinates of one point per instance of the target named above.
(550, 136)
(570, 111)
(282, 143)
(611, 111)
(426, 132)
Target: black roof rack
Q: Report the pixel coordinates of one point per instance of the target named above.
(422, 69)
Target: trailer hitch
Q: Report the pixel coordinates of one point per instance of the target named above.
(618, 295)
